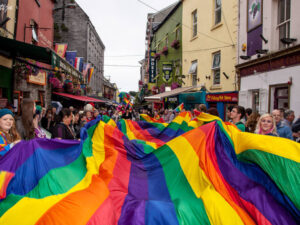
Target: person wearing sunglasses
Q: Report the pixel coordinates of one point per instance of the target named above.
(266, 125)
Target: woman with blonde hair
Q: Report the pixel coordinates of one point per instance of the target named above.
(9, 136)
(266, 125)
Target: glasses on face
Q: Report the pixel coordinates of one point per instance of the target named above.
(266, 121)
(276, 115)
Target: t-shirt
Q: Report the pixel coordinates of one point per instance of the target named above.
(241, 126)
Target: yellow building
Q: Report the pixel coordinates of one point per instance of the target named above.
(209, 36)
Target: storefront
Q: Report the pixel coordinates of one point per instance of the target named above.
(192, 99)
(222, 101)
(167, 99)
(271, 82)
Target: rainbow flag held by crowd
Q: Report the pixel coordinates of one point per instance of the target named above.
(179, 108)
(189, 171)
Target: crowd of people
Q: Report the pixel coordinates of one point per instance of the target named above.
(66, 123)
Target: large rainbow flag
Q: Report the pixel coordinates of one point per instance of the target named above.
(190, 171)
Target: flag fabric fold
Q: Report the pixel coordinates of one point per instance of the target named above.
(190, 171)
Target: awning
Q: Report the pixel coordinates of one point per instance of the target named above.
(79, 98)
(163, 95)
(12, 48)
(193, 67)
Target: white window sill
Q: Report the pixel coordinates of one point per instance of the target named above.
(215, 87)
(193, 38)
(216, 26)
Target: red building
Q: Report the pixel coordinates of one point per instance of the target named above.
(35, 22)
(34, 27)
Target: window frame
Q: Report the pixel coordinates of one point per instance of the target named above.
(216, 69)
(194, 23)
(194, 74)
(216, 11)
(285, 23)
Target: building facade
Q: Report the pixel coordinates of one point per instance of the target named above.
(209, 37)
(34, 26)
(153, 21)
(269, 55)
(166, 44)
(73, 26)
(7, 30)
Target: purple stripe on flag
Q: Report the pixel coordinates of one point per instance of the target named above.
(247, 189)
(22, 151)
(133, 210)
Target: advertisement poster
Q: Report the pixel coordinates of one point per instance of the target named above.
(254, 14)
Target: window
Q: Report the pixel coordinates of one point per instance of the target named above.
(177, 33)
(194, 18)
(34, 27)
(193, 72)
(218, 11)
(284, 16)
(167, 40)
(255, 100)
(216, 68)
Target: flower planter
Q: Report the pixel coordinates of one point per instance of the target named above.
(175, 44)
(165, 50)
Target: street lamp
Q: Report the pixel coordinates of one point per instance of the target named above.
(70, 6)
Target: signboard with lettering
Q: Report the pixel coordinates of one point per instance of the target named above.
(39, 79)
(167, 71)
(64, 65)
(225, 97)
(152, 67)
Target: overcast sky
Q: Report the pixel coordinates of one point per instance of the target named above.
(121, 25)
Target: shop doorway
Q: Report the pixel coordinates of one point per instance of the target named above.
(279, 97)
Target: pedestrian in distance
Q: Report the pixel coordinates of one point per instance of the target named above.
(63, 129)
(236, 115)
(282, 130)
(251, 122)
(266, 125)
(26, 124)
(9, 135)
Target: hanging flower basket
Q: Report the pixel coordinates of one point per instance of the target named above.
(165, 50)
(175, 44)
(162, 88)
(157, 55)
(174, 85)
(68, 86)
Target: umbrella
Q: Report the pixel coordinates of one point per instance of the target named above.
(57, 105)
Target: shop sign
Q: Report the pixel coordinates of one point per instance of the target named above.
(167, 71)
(226, 97)
(152, 66)
(57, 61)
(172, 99)
(39, 79)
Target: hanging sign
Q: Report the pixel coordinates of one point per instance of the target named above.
(152, 67)
(39, 79)
(167, 71)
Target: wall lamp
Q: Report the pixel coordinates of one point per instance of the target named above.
(227, 77)
(245, 57)
(207, 77)
(288, 41)
(4, 21)
(263, 38)
(262, 51)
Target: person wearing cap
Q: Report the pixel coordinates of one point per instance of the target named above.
(9, 136)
